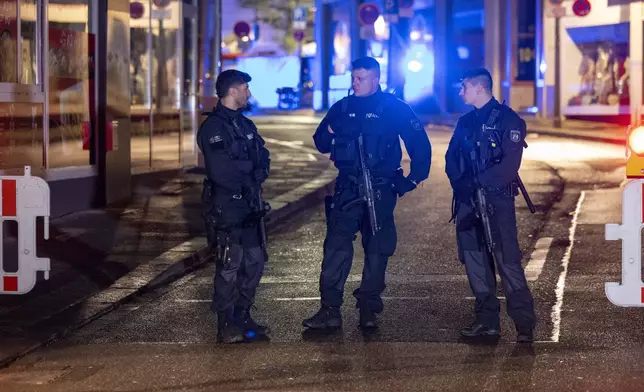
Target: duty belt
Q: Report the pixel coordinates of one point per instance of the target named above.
(351, 180)
(509, 189)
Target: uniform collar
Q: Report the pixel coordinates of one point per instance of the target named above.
(370, 100)
(226, 112)
(483, 113)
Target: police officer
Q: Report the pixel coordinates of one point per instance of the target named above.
(237, 163)
(381, 119)
(489, 140)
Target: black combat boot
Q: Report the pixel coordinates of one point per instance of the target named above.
(525, 335)
(368, 319)
(326, 317)
(227, 331)
(478, 329)
(251, 329)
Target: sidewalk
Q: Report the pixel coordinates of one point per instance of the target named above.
(101, 258)
(588, 130)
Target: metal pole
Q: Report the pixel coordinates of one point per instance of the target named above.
(180, 77)
(326, 51)
(44, 50)
(150, 91)
(196, 61)
(216, 58)
(538, 58)
(101, 101)
(635, 63)
(557, 119)
(18, 44)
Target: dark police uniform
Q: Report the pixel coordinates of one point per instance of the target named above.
(237, 163)
(499, 151)
(382, 119)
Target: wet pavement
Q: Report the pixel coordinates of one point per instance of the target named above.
(125, 247)
(165, 338)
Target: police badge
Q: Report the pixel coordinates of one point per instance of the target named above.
(515, 136)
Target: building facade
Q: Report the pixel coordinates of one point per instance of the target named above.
(579, 60)
(582, 65)
(93, 92)
(422, 47)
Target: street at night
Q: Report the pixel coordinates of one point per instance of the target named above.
(223, 195)
(166, 339)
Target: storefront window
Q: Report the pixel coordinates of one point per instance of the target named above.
(526, 69)
(466, 49)
(419, 60)
(340, 78)
(165, 84)
(8, 41)
(140, 76)
(20, 135)
(71, 84)
(21, 126)
(29, 41)
(155, 57)
(596, 70)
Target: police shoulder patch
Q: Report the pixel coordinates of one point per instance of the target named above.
(216, 142)
(515, 135)
(416, 124)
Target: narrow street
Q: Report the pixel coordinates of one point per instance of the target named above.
(165, 340)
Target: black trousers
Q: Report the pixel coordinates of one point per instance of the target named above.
(343, 223)
(480, 266)
(236, 278)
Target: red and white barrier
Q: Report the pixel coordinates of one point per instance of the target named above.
(630, 292)
(22, 199)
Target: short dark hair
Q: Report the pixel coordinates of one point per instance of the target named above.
(368, 63)
(479, 76)
(228, 79)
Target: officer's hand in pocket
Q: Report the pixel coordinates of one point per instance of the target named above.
(403, 185)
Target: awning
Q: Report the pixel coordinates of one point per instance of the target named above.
(618, 33)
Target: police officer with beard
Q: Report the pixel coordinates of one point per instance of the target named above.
(485, 151)
(381, 119)
(237, 163)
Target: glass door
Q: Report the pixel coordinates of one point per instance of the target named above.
(140, 85)
(166, 94)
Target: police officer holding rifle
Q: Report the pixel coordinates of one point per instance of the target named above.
(362, 133)
(482, 163)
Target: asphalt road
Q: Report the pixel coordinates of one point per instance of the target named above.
(165, 340)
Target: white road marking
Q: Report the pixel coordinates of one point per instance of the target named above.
(384, 298)
(389, 278)
(538, 259)
(296, 145)
(191, 301)
(297, 299)
(561, 284)
(284, 299)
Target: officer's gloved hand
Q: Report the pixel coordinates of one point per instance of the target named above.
(402, 185)
(463, 189)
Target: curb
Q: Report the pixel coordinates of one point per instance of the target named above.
(580, 136)
(171, 265)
